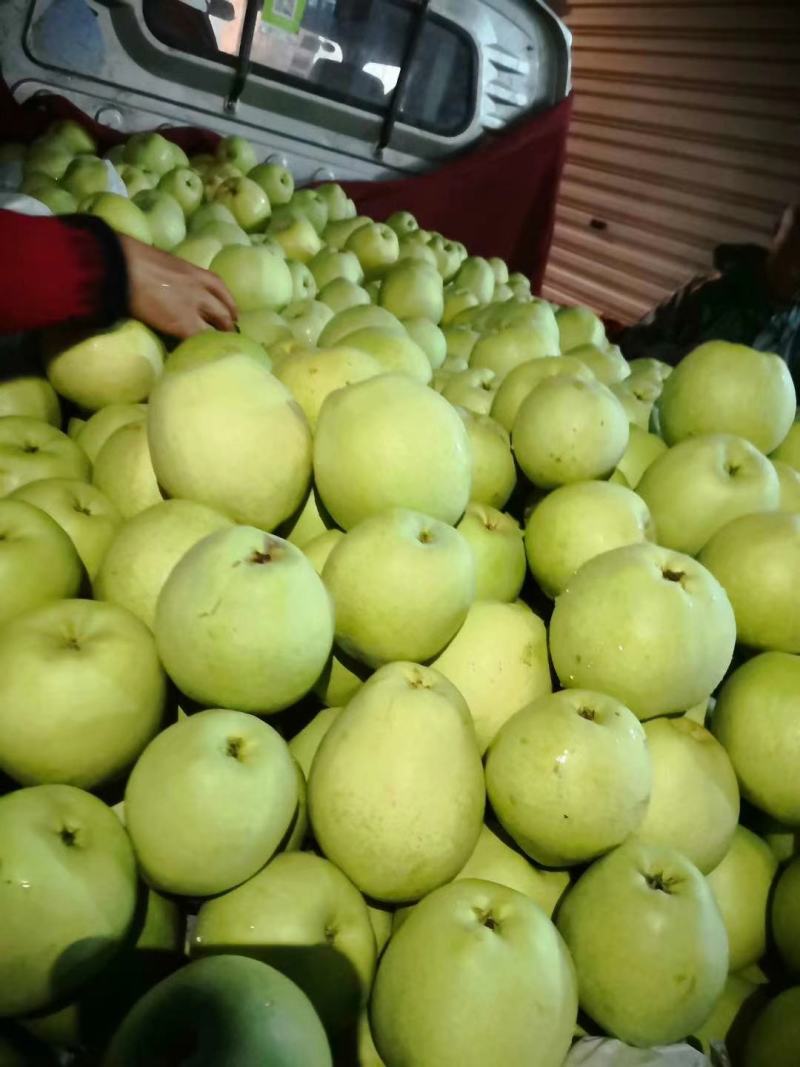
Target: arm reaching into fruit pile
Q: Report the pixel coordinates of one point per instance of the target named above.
(76, 269)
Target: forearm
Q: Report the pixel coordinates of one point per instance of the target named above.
(57, 270)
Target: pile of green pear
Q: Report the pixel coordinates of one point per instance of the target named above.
(405, 679)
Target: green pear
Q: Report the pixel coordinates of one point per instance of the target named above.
(397, 825)
(376, 247)
(731, 1015)
(753, 396)
(757, 720)
(295, 233)
(146, 548)
(788, 451)
(652, 970)
(248, 202)
(31, 449)
(643, 450)
(244, 621)
(428, 1002)
(81, 693)
(153, 152)
(395, 353)
(276, 181)
(137, 179)
(308, 522)
(86, 175)
(702, 483)
(694, 804)
(94, 433)
(185, 186)
(199, 250)
(341, 294)
(493, 860)
(265, 326)
(498, 662)
(520, 382)
(429, 338)
(496, 542)
(477, 275)
(360, 317)
(741, 884)
(569, 430)
(67, 896)
(756, 559)
(413, 289)
(460, 340)
(164, 215)
(317, 551)
(304, 744)
(23, 391)
(256, 468)
(785, 916)
(210, 213)
(38, 561)
(313, 375)
(774, 1037)
(569, 776)
(116, 366)
(577, 522)
(472, 389)
(402, 222)
(579, 326)
(208, 346)
(238, 151)
(606, 363)
(504, 349)
(646, 625)
(494, 473)
(789, 483)
(256, 277)
(124, 471)
(126, 216)
(305, 918)
(229, 1010)
(82, 511)
(401, 584)
(391, 442)
(209, 802)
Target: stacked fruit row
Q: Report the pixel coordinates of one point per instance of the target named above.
(388, 681)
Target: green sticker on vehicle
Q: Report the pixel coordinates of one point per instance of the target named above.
(284, 14)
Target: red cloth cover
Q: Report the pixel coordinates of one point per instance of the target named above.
(499, 199)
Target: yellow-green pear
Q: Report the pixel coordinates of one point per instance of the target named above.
(146, 548)
(411, 289)
(311, 376)
(523, 379)
(606, 362)
(24, 391)
(472, 389)
(774, 1038)
(244, 621)
(788, 451)
(303, 746)
(504, 349)
(694, 804)
(124, 471)
(402, 583)
(305, 918)
(208, 346)
(494, 473)
(643, 450)
(742, 884)
(756, 560)
(396, 792)
(498, 662)
(430, 339)
(579, 326)
(341, 294)
(31, 449)
(209, 802)
(785, 916)
(360, 317)
(659, 921)
(569, 776)
(396, 353)
(577, 522)
(700, 484)
(789, 483)
(496, 542)
(646, 625)
(729, 388)
(428, 1002)
(254, 465)
(569, 430)
(757, 720)
(85, 514)
(95, 431)
(391, 442)
(493, 860)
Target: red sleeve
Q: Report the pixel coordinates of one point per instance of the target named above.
(59, 270)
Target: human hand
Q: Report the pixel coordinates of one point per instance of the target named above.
(173, 296)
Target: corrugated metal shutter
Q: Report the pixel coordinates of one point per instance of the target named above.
(686, 133)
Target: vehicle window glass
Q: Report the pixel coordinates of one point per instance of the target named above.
(349, 50)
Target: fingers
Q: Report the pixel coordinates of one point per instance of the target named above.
(219, 289)
(217, 313)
